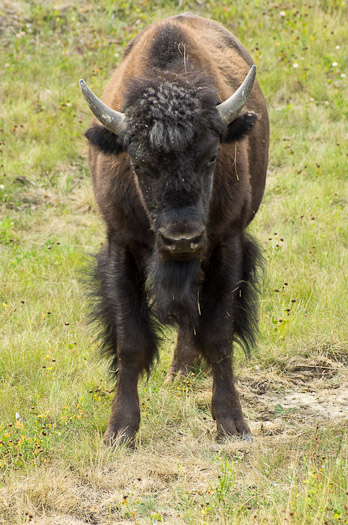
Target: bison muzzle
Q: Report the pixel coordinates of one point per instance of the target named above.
(178, 157)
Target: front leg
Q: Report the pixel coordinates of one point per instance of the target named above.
(125, 314)
(225, 405)
(228, 312)
(124, 419)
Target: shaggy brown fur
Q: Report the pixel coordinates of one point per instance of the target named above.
(176, 191)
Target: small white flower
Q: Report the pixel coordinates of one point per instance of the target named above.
(18, 417)
(343, 75)
(338, 47)
(282, 14)
(295, 66)
(334, 64)
(2, 187)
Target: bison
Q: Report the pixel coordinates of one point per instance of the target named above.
(178, 156)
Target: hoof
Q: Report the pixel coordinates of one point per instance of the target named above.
(119, 437)
(247, 437)
(174, 376)
(222, 437)
(234, 428)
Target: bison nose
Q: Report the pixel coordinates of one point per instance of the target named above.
(183, 244)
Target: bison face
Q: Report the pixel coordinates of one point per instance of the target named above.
(171, 128)
(176, 189)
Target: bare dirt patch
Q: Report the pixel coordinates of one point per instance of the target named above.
(306, 392)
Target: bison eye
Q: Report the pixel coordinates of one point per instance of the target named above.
(212, 161)
(144, 173)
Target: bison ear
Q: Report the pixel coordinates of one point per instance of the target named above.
(104, 140)
(240, 127)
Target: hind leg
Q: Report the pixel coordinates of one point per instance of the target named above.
(186, 355)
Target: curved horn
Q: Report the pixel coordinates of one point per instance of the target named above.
(111, 119)
(233, 105)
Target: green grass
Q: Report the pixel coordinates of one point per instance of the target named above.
(53, 465)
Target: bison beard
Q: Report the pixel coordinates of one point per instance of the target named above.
(174, 289)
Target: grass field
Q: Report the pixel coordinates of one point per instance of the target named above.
(54, 467)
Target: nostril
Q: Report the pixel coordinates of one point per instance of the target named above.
(195, 240)
(169, 242)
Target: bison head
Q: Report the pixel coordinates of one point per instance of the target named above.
(171, 127)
